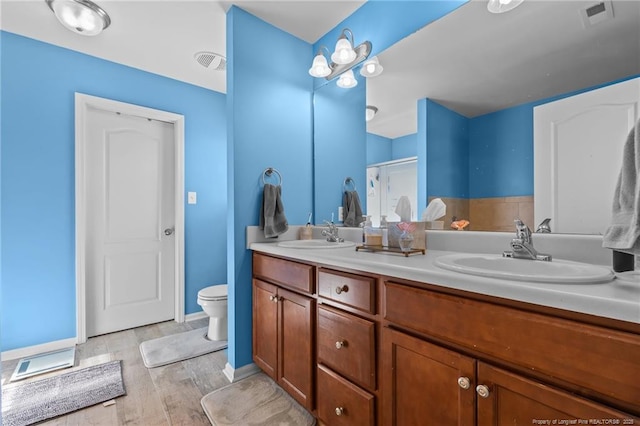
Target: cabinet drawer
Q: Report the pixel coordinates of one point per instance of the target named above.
(589, 357)
(347, 344)
(291, 274)
(341, 402)
(350, 289)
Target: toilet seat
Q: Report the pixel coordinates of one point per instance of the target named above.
(213, 293)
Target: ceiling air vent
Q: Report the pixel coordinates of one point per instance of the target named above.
(596, 13)
(211, 60)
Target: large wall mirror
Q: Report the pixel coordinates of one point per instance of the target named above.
(462, 91)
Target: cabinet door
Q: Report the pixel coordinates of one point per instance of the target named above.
(265, 327)
(295, 373)
(424, 384)
(514, 400)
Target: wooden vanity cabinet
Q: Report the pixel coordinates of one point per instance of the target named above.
(346, 349)
(283, 327)
(446, 365)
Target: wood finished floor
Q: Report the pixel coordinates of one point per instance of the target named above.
(168, 395)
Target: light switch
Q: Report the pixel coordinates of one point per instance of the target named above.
(191, 198)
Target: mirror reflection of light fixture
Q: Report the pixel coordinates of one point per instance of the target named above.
(347, 80)
(80, 16)
(371, 68)
(345, 51)
(370, 112)
(502, 6)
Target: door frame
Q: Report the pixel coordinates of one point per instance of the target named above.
(82, 104)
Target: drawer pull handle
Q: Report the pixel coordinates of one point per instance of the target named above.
(344, 289)
(341, 344)
(339, 411)
(464, 382)
(482, 391)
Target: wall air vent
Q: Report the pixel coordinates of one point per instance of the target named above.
(210, 60)
(596, 13)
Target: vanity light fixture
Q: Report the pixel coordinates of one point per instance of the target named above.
(83, 17)
(347, 80)
(502, 6)
(370, 112)
(343, 59)
(371, 68)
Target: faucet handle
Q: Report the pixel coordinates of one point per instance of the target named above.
(522, 230)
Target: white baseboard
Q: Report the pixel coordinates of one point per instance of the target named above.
(38, 349)
(195, 316)
(235, 374)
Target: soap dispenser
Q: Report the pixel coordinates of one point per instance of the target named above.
(384, 227)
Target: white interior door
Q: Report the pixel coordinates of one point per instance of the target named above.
(130, 200)
(578, 145)
(401, 180)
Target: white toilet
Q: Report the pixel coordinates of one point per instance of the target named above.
(214, 302)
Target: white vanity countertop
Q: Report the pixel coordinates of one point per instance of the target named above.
(618, 299)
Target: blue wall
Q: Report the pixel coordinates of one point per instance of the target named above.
(404, 147)
(340, 145)
(501, 153)
(385, 22)
(269, 107)
(37, 193)
(378, 149)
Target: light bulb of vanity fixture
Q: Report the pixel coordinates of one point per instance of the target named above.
(344, 53)
(370, 112)
(502, 6)
(347, 80)
(80, 16)
(320, 67)
(371, 68)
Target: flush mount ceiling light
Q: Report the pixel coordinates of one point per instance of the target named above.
(347, 80)
(371, 68)
(370, 112)
(80, 16)
(343, 59)
(502, 6)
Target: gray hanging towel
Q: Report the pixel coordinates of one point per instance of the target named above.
(351, 209)
(272, 218)
(624, 232)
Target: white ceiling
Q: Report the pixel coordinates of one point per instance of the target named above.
(475, 62)
(163, 36)
(471, 61)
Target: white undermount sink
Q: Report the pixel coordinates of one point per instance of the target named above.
(496, 266)
(315, 244)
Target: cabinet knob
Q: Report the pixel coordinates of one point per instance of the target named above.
(464, 382)
(341, 344)
(482, 391)
(339, 411)
(344, 289)
(273, 298)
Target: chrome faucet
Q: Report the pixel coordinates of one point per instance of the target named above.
(544, 227)
(332, 233)
(522, 245)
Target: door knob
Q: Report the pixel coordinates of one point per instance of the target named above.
(168, 231)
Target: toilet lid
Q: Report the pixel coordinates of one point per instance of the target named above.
(215, 292)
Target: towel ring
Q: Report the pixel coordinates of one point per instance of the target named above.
(346, 183)
(268, 172)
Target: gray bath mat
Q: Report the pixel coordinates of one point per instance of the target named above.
(178, 347)
(254, 401)
(25, 403)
